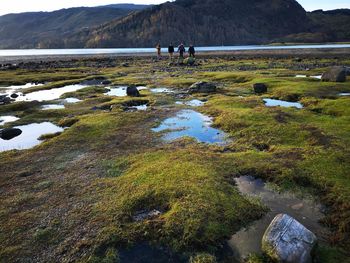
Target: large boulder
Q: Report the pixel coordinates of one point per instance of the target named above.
(335, 74)
(288, 241)
(132, 91)
(202, 87)
(8, 134)
(260, 88)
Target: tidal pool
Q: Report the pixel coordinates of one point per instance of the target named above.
(29, 137)
(306, 211)
(52, 107)
(52, 94)
(282, 103)
(7, 119)
(71, 100)
(161, 90)
(192, 124)
(192, 103)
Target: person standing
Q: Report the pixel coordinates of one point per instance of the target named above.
(171, 50)
(191, 51)
(181, 49)
(159, 50)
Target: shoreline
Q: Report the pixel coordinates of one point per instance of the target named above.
(278, 53)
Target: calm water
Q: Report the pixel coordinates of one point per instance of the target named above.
(306, 211)
(192, 103)
(7, 119)
(192, 124)
(121, 91)
(161, 90)
(29, 136)
(282, 103)
(96, 51)
(52, 107)
(71, 100)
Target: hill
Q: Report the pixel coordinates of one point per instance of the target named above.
(49, 29)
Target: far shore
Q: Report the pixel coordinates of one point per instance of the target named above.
(278, 53)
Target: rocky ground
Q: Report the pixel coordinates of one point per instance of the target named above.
(109, 184)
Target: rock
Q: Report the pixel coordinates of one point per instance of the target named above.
(8, 134)
(146, 215)
(106, 82)
(335, 74)
(14, 95)
(4, 99)
(288, 241)
(260, 88)
(125, 64)
(202, 87)
(132, 91)
(190, 61)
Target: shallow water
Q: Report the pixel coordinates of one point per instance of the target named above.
(52, 107)
(344, 94)
(14, 88)
(71, 100)
(306, 211)
(52, 94)
(192, 103)
(300, 76)
(161, 90)
(316, 77)
(192, 124)
(282, 103)
(121, 91)
(7, 119)
(140, 107)
(29, 136)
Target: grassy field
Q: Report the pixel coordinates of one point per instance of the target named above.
(74, 197)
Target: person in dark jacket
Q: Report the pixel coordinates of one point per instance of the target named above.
(181, 49)
(191, 51)
(171, 50)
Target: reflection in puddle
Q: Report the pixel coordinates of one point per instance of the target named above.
(52, 107)
(192, 124)
(305, 211)
(161, 90)
(192, 103)
(282, 103)
(71, 100)
(29, 136)
(7, 119)
(51, 94)
(144, 253)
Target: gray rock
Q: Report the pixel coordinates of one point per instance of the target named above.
(335, 74)
(146, 215)
(202, 87)
(8, 134)
(288, 241)
(132, 91)
(260, 88)
(4, 99)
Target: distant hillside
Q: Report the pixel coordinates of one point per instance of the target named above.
(49, 29)
(203, 22)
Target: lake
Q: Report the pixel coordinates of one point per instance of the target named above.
(100, 51)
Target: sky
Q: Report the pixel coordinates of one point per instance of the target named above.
(18, 6)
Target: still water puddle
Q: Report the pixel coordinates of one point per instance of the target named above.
(52, 107)
(305, 76)
(161, 90)
(140, 108)
(192, 124)
(344, 94)
(12, 89)
(7, 119)
(52, 94)
(282, 103)
(29, 136)
(71, 100)
(121, 91)
(306, 211)
(192, 103)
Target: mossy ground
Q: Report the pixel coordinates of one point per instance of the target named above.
(73, 197)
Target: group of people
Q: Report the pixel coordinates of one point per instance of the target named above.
(180, 49)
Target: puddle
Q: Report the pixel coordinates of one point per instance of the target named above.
(161, 90)
(71, 100)
(52, 94)
(13, 89)
(316, 77)
(344, 94)
(192, 103)
(52, 107)
(7, 119)
(192, 124)
(305, 76)
(282, 103)
(145, 253)
(300, 76)
(29, 136)
(140, 108)
(305, 211)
